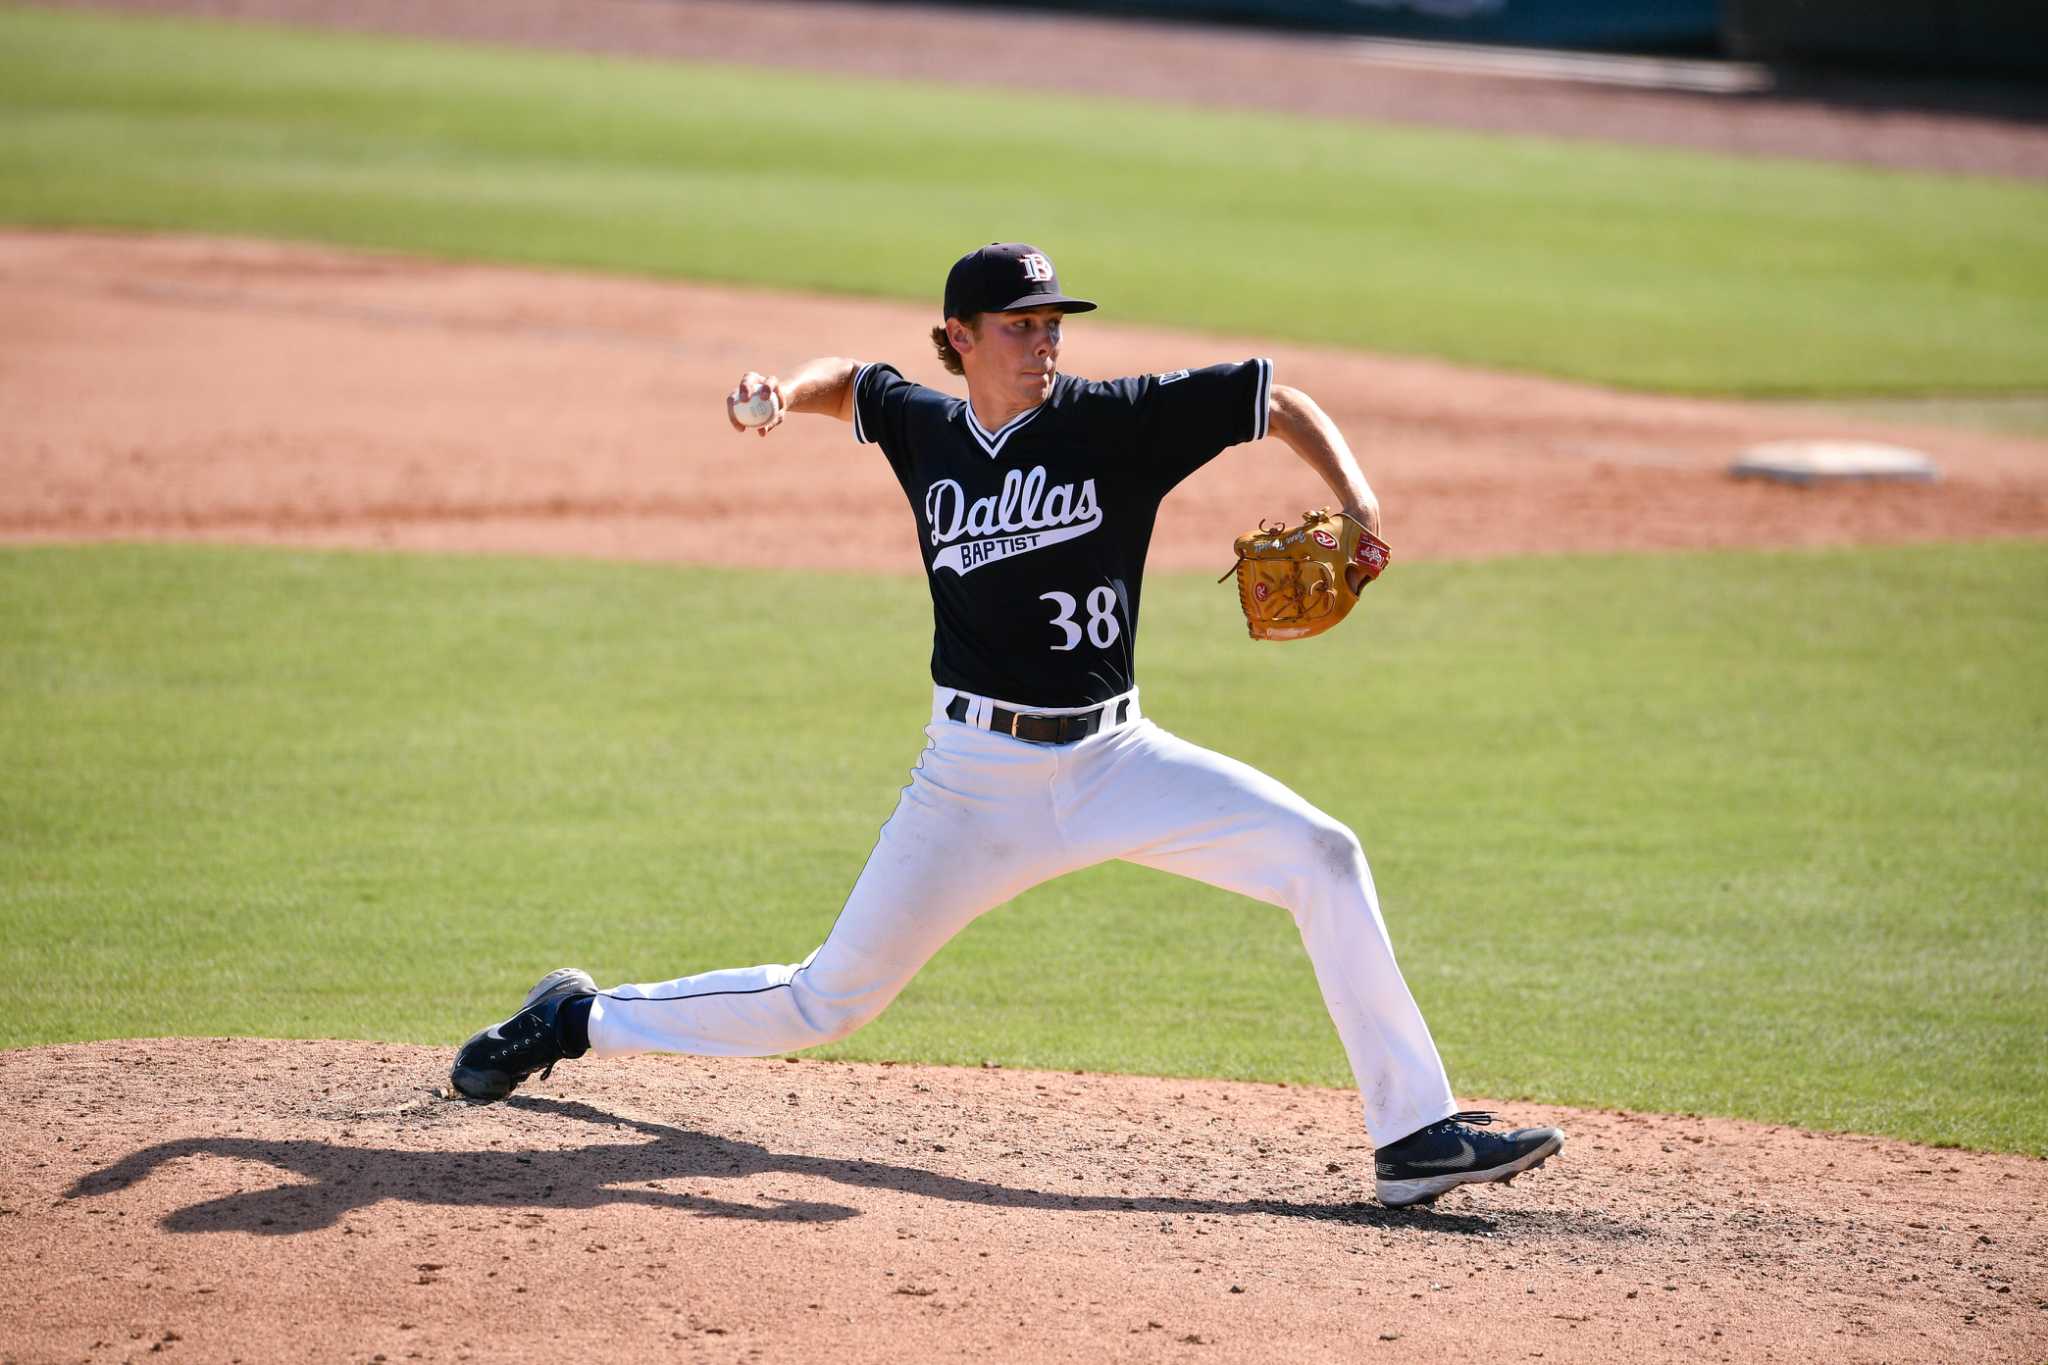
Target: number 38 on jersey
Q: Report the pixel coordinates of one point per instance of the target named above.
(1101, 626)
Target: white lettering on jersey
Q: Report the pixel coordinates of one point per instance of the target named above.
(1021, 518)
(1172, 377)
(1103, 627)
(1036, 267)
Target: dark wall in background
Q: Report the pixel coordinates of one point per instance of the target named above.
(1930, 35)
(1618, 24)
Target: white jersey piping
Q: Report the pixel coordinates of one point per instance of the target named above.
(860, 433)
(991, 442)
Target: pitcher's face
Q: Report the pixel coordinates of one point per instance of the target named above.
(1014, 353)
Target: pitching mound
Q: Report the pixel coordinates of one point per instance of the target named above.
(230, 1199)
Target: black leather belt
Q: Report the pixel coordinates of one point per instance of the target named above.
(1037, 728)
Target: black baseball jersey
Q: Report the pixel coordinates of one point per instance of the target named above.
(1034, 536)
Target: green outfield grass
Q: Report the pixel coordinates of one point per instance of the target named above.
(1655, 269)
(1762, 835)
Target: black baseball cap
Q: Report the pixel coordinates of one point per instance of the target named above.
(1002, 276)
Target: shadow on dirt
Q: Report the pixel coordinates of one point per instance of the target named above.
(334, 1180)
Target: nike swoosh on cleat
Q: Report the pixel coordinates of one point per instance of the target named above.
(492, 1032)
(1463, 1159)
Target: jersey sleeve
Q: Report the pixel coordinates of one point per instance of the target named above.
(881, 404)
(1188, 417)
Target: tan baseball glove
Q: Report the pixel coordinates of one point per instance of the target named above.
(1292, 581)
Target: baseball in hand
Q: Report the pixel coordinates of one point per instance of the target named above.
(757, 411)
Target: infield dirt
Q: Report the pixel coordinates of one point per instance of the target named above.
(243, 391)
(230, 1199)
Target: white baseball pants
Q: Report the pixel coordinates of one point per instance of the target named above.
(987, 817)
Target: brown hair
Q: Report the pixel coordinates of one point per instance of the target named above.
(949, 357)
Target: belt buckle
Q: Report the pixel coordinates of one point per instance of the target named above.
(1079, 725)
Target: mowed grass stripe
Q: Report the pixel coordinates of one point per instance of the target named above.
(1662, 270)
(1759, 835)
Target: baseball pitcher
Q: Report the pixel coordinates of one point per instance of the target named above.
(1034, 499)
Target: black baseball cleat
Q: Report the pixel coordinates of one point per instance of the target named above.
(1448, 1153)
(491, 1065)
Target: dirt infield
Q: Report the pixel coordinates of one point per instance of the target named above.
(261, 393)
(220, 1200)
